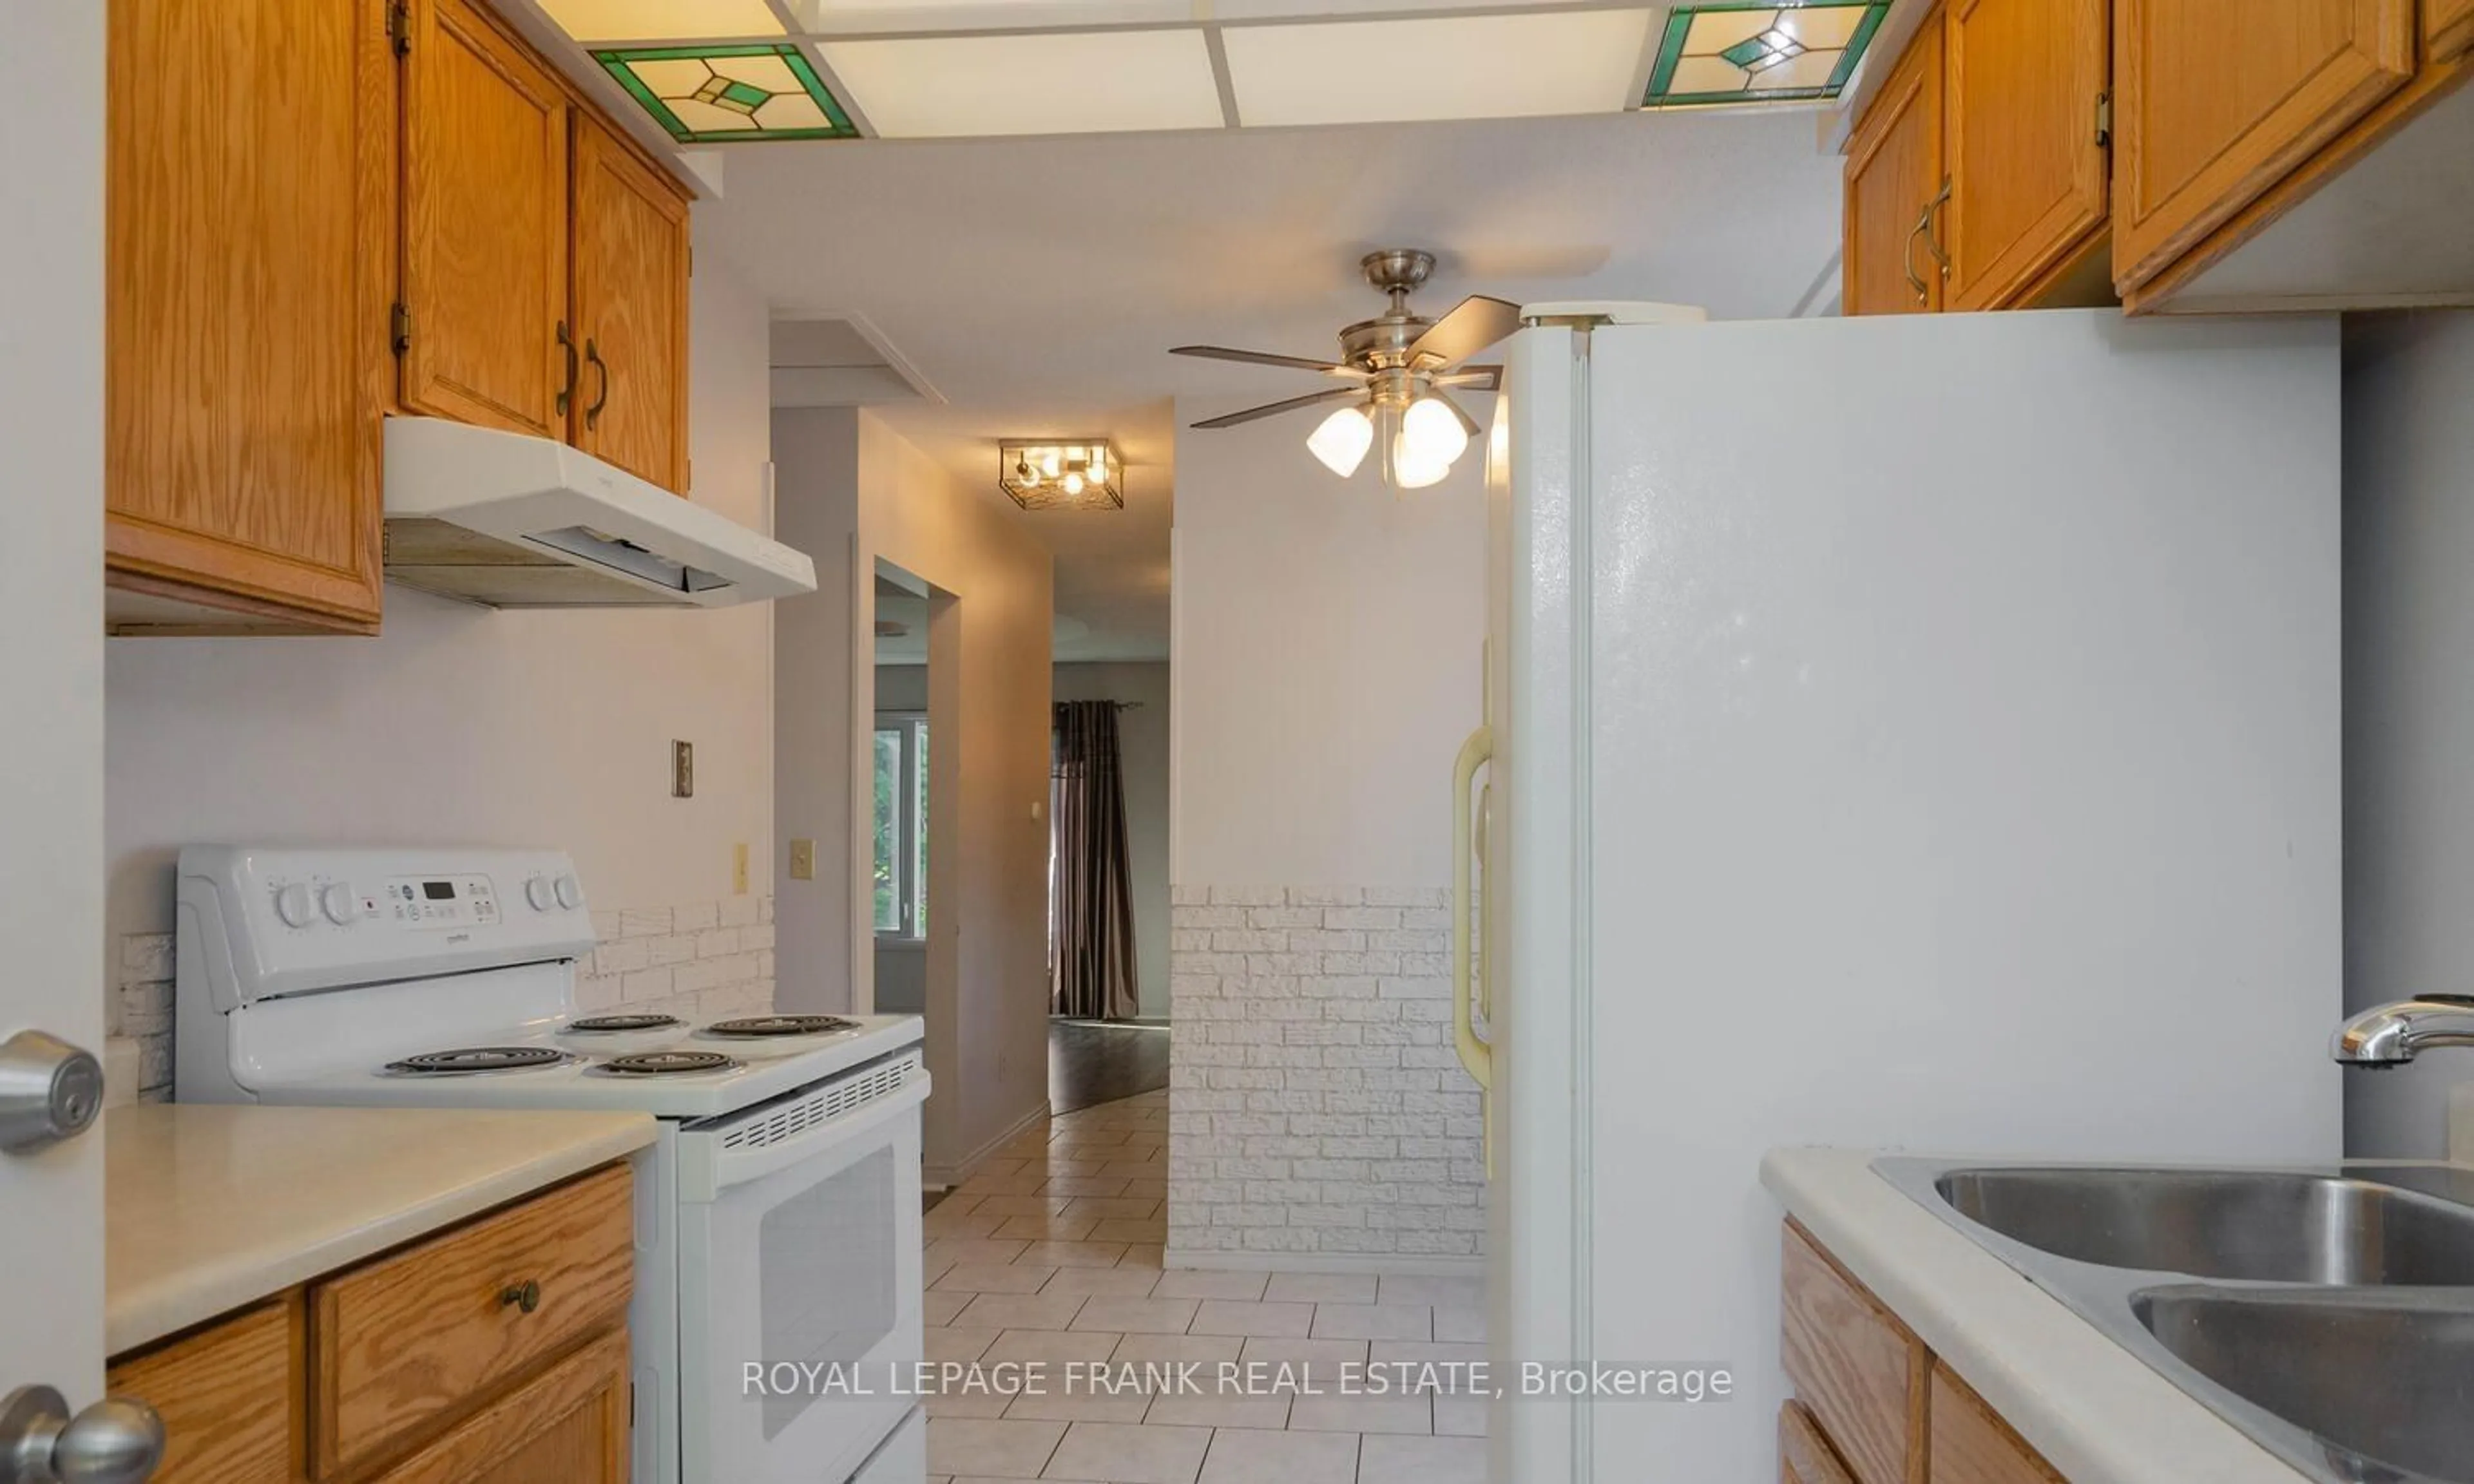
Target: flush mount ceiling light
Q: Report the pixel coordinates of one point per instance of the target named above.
(1085, 474)
(1759, 51)
(1569, 61)
(1399, 371)
(1071, 82)
(661, 20)
(724, 94)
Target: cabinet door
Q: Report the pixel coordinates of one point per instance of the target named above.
(241, 404)
(2217, 100)
(1894, 167)
(485, 226)
(230, 1397)
(2448, 28)
(570, 1423)
(631, 310)
(2026, 166)
(1970, 1445)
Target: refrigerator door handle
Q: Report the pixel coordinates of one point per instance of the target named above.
(1475, 1053)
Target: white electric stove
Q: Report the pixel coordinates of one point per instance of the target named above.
(778, 1214)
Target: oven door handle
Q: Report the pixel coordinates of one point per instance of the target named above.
(707, 1169)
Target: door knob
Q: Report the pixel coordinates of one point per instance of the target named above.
(116, 1441)
(49, 1090)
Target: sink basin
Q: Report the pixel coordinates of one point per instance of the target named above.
(2251, 1225)
(2387, 1382)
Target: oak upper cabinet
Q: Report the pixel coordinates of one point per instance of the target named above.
(241, 395)
(2448, 28)
(484, 295)
(630, 246)
(2217, 100)
(2024, 88)
(1894, 173)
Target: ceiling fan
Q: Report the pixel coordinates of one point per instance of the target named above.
(1397, 372)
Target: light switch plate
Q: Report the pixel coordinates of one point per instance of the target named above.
(682, 770)
(803, 860)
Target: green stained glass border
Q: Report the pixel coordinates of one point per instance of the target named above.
(1679, 26)
(619, 62)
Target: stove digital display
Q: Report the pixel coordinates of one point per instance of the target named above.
(438, 891)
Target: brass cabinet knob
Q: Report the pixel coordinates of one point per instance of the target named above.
(524, 1296)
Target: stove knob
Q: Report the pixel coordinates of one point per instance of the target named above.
(295, 905)
(336, 901)
(537, 891)
(571, 893)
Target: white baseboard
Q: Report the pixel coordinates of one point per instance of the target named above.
(945, 1177)
(1404, 1264)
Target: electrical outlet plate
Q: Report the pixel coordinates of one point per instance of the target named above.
(682, 770)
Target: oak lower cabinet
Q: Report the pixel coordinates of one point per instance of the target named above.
(1873, 1405)
(243, 377)
(492, 1352)
(2025, 95)
(630, 237)
(1894, 175)
(485, 269)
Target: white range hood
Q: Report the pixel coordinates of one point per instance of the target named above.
(508, 521)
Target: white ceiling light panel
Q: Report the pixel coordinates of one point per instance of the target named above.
(939, 87)
(1463, 66)
(661, 20)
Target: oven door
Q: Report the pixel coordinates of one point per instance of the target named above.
(799, 1279)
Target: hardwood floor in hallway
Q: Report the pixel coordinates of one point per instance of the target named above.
(1091, 1062)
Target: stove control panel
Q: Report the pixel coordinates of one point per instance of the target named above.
(281, 920)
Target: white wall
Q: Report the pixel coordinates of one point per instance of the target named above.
(1143, 744)
(816, 460)
(2409, 702)
(462, 725)
(988, 627)
(1326, 646)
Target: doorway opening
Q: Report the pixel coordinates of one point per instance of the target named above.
(1108, 895)
(901, 807)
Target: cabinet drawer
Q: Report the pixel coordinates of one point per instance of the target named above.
(1972, 1446)
(1859, 1370)
(229, 1397)
(1805, 1454)
(570, 1426)
(419, 1335)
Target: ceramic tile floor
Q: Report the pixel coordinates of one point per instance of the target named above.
(1050, 1255)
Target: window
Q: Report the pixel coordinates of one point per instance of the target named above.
(901, 825)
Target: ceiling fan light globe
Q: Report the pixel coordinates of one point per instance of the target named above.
(1411, 469)
(1432, 434)
(1341, 441)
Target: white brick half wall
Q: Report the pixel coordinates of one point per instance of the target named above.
(1319, 1116)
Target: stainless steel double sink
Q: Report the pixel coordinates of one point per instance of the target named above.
(2326, 1312)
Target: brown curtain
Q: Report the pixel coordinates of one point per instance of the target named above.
(1090, 903)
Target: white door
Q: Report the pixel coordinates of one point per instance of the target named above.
(50, 663)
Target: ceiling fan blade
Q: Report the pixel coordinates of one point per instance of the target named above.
(1231, 420)
(1474, 324)
(1266, 358)
(1468, 423)
(1476, 378)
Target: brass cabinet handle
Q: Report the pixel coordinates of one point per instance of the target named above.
(567, 393)
(1907, 257)
(1932, 231)
(524, 1296)
(592, 358)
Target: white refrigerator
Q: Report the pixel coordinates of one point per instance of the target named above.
(1907, 733)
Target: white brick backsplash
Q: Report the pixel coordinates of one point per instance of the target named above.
(1318, 1104)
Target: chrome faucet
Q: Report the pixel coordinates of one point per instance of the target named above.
(2388, 1035)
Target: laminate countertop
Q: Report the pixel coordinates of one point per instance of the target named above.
(210, 1207)
(2095, 1411)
